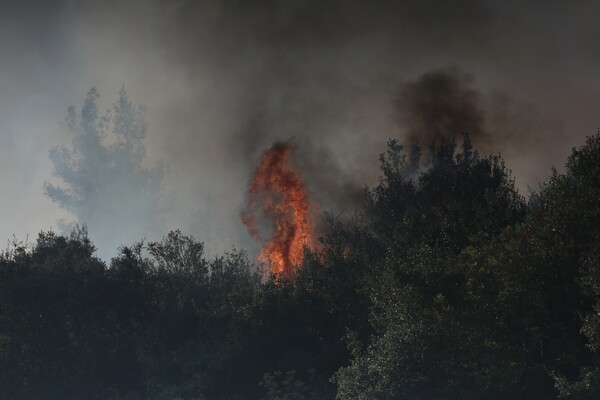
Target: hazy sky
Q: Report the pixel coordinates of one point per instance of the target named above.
(223, 80)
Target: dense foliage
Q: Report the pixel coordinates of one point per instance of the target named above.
(450, 285)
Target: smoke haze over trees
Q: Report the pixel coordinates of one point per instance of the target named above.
(224, 80)
(459, 267)
(103, 181)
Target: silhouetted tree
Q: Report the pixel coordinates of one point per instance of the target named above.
(425, 217)
(572, 203)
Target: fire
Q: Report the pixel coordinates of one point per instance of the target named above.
(277, 195)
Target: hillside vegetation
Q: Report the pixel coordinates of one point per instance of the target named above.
(448, 285)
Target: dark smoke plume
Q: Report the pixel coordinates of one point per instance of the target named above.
(440, 104)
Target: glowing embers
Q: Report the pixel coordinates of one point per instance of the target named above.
(278, 211)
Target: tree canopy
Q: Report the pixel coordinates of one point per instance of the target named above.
(449, 285)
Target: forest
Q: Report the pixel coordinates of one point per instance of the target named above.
(447, 284)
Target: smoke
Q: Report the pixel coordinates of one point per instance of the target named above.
(440, 104)
(222, 81)
(446, 102)
(101, 179)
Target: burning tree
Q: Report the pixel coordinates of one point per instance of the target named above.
(276, 195)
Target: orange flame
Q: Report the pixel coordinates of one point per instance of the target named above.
(277, 194)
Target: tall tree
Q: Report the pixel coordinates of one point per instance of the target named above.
(424, 216)
(103, 181)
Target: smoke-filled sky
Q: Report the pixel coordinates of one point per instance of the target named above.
(222, 80)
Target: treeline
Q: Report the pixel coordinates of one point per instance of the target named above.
(449, 285)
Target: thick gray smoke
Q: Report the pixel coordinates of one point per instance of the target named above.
(223, 80)
(445, 102)
(437, 105)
